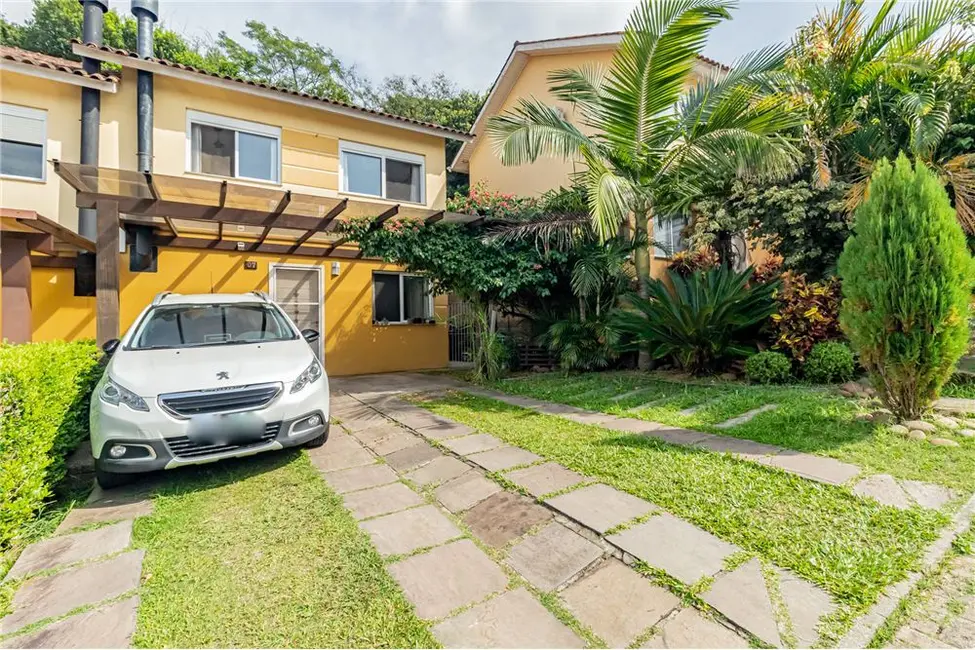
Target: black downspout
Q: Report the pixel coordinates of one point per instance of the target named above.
(91, 101)
(146, 13)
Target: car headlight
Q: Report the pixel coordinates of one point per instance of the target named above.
(113, 393)
(308, 376)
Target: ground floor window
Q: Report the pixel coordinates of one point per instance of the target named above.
(667, 235)
(401, 298)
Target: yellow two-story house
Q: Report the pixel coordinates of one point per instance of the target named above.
(525, 74)
(199, 132)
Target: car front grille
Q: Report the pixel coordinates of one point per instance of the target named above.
(183, 447)
(219, 400)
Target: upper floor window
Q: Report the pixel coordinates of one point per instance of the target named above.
(23, 140)
(225, 146)
(668, 234)
(385, 173)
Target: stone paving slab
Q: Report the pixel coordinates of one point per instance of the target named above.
(678, 436)
(675, 546)
(552, 556)
(438, 470)
(806, 603)
(633, 425)
(396, 442)
(544, 479)
(817, 468)
(955, 405)
(67, 549)
(504, 457)
(371, 436)
(448, 577)
(591, 418)
(691, 629)
(110, 626)
(381, 500)
(341, 453)
(98, 514)
(743, 598)
(600, 507)
(55, 595)
(885, 489)
(445, 431)
(466, 491)
(407, 531)
(512, 620)
(367, 420)
(617, 603)
(745, 417)
(472, 444)
(744, 449)
(503, 517)
(412, 457)
(927, 495)
(360, 478)
(420, 418)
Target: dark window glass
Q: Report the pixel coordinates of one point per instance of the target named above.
(213, 150)
(416, 298)
(385, 288)
(21, 159)
(402, 181)
(181, 326)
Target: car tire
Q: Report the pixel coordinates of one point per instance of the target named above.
(109, 480)
(317, 442)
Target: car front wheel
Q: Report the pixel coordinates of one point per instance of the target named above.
(109, 480)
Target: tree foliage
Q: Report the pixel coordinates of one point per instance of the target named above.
(907, 279)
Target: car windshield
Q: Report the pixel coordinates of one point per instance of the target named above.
(184, 326)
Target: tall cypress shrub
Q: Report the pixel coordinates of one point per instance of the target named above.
(907, 278)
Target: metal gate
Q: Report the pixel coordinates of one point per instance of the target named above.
(460, 332)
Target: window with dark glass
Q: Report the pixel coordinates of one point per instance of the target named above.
(224, 147)
(378, 172)
(401, 298)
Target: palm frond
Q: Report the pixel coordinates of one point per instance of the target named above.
(610, 197)
(560, 231)
(533, 129)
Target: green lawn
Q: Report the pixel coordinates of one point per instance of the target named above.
(810, 419)
(261, 553)
(852, 547)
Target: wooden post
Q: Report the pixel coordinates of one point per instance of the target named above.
(107, 272)
(15, 289)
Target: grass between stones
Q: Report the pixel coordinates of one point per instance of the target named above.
(808, 419)
(851, 547)
(261, 553)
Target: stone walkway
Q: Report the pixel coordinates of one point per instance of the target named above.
(945, 617)
(884, 488)
(474, 557)
(78, 589)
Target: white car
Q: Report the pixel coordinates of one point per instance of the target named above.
(200, 378)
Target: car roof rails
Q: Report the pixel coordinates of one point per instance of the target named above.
(162, 295)
(260, 294)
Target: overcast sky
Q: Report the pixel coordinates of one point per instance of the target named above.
(468, 40)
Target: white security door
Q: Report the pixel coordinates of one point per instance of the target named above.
(298, 291)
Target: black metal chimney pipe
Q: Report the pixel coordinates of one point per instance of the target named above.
(91, 102)
(146, 13)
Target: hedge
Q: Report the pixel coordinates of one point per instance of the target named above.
(44, 393)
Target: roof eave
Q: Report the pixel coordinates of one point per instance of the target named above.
(155, 67)
(44, 72)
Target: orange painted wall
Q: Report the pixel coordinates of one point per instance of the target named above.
(353, 345)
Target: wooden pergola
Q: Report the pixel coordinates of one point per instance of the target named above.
(191, 212)
(23, 232)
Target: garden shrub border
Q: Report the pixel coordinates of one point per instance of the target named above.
(44, 394)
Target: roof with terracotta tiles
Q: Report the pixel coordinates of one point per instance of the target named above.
(56, 63)
(188, 68)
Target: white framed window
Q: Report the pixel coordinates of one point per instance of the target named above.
(401, 298)
(388, 174)
(225, 146)
(667, 231)
(23, 142)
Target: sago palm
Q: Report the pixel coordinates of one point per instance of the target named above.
(652, 143)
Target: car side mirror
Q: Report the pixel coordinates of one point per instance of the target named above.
(310, 335)
(110, 346)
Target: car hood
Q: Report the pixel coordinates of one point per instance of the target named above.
(152, 372)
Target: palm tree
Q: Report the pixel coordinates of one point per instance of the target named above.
(861, 80)
(650, 146)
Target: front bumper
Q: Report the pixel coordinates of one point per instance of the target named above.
(161, 441)
(174, 452)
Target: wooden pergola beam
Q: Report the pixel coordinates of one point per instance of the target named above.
(252, 247)
(273, 217)
(15, 292)
(434, 218)
(107, 272)
(323, 224)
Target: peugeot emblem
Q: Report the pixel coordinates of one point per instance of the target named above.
(223, 374)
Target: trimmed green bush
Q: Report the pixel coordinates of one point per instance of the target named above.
(768, 367)
(44, 393)
(829, 362)
(907, 278)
